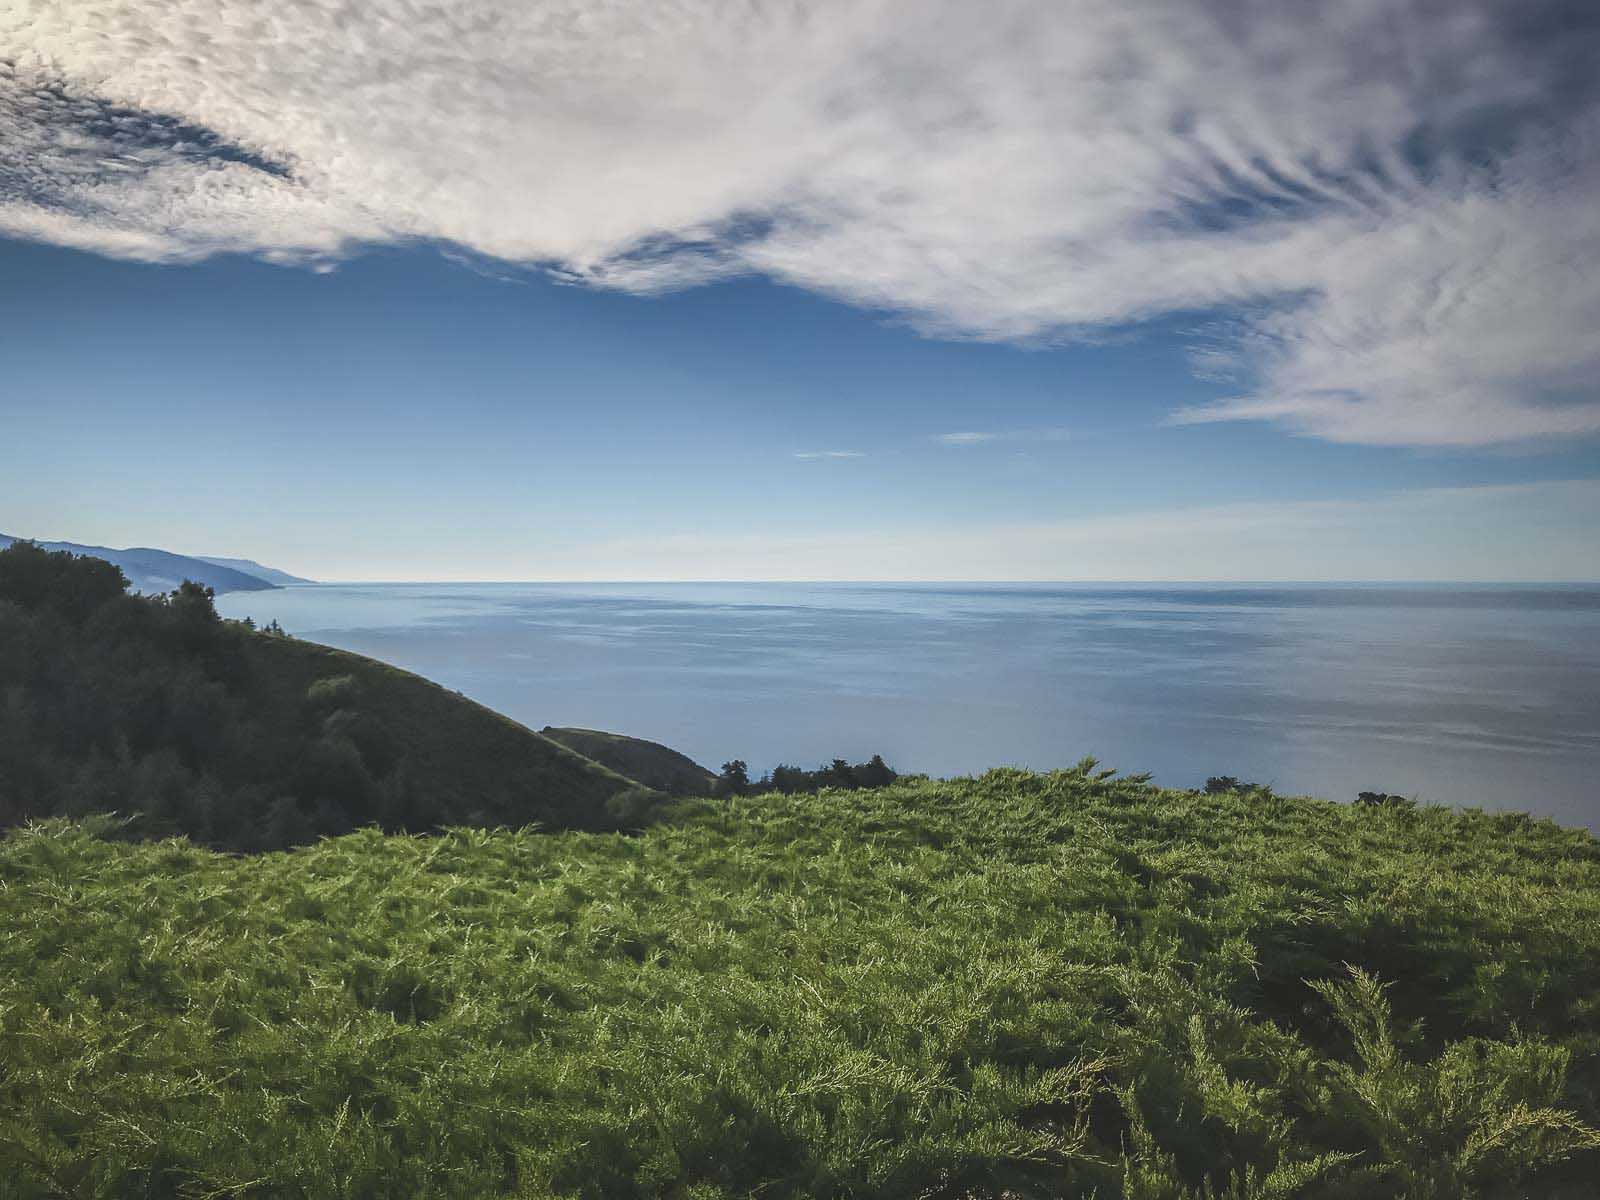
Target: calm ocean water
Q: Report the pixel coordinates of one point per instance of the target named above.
(1469, 695)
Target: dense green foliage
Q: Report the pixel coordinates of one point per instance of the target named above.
(839, 774)
(1024, 985)
(155, 707)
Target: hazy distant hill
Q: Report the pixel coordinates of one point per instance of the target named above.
(651, 763)
(250, 567)
(152, 571)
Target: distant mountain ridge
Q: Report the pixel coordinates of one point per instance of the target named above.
(249, 566)
(152, 571)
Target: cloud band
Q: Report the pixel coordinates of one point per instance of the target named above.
(1388, 221)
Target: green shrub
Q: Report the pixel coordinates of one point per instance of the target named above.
(1066, 985)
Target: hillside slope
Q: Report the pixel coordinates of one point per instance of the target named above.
(249, 566)
(651, 763)
(155, 571)
(244, 740)
(1019, 985)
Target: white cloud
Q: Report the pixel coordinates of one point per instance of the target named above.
(814, 454)
(1394, 203)
(983, 437)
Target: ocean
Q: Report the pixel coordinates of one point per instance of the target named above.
(1473, 695)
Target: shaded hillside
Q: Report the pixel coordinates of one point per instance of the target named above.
(1028, 986)
(651, 763)
(244, 739)
(250, 567)
(156, 571)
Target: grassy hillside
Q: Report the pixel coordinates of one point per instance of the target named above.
(651, 763)
(154, 707)
(1017, 985)
(459, 759)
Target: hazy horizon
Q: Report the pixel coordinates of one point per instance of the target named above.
(1084, 582)
(1458, 693)
(1531, 533)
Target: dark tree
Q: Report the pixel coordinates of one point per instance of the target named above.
(874, 773)
(734, 780)
(285, 825)
(838, 774)
(155, 708)
(195, 604)
(1385, 800)
(70, 586)
(787, 779)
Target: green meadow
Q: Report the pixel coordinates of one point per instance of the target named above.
(1062, 985)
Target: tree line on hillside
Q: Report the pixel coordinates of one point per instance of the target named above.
(157, 709)
(110, 701)
(734, 780)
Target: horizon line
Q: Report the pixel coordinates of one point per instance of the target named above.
(934, 582)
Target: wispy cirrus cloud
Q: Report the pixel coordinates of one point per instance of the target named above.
(982, 437)
(818, 454)
(1387, 205)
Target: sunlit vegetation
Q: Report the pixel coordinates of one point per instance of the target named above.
(1020, 985)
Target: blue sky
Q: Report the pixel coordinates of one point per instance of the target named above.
(404, 416)
(855, 303)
